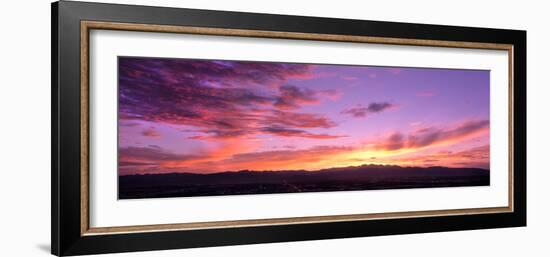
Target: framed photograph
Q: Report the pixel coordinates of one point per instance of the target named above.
(178, 128)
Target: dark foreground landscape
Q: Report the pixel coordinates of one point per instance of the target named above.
(366, 177)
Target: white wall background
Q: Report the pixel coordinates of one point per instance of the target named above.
(25, 127)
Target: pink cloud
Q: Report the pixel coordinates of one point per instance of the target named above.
(433, 136)
(150, 132)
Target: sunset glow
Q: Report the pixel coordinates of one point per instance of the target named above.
(207, 116)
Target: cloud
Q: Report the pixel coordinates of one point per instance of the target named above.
(226, 103)
(292, 97)
(234, 157)
(283, 155)
(360, 111)
(218, 99)
(128, 124)
(136, 164)
(476, 157)
(433, 136)
(220, 134)
(230, 73)
(378, 107)
(141, 160)
(324, 156)
(149, 154)
(311, 158)
(331, 94)
(151, 159)
(299, 120)
(284, 132)
(150, 132)
(393, 142)
(249, 124)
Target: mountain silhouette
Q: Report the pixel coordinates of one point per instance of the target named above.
(364, 177)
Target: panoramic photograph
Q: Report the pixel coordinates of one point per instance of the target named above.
(197, 127)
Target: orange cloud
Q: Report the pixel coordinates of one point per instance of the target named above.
(477, 157)
(233, 154)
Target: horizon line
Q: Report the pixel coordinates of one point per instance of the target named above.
(304, 170)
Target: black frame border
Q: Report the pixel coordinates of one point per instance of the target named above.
(66, 235)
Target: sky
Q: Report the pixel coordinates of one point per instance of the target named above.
(207, 116)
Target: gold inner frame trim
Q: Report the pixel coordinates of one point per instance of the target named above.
(86, 26)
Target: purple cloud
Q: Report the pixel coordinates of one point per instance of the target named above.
(360, 111)
(221, 99)
(292, 97)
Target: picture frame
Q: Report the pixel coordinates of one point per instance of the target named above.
(72, 233)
